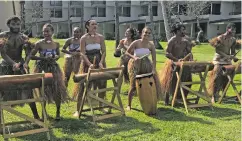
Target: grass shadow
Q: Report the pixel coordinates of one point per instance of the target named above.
(168, 114)
(219, 112)
(113, 125)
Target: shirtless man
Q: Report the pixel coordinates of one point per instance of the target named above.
(178, 48)
(72, 57)
(13, 62)
(224, 54)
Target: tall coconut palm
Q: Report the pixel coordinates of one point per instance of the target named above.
(14, 10)
(166, 18)
(82, 16)
(156, 42)
(69, 19)
(117, 23)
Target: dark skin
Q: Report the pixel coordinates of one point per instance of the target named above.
(13, 51)
(177, 45)
(127, 41)
(73, 40)
(47, 43)
(226, 48)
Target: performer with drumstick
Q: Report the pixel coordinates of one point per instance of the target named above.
(123, 46)
(177, 50)
(139, 50)
(72, 57)
(47, 61)
(224, 53)
(13, 62)
(93, 51)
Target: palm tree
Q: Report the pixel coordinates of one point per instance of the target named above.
(69, 21)
(156, 42)
(14, 10)
(82, 17)
(117, 23)
(166, 18)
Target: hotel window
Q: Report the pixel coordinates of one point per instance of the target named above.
(76, 12)
(154, 10)
(100, 12)
(56, 13)
(55, 3)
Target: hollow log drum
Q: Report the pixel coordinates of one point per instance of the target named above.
(146, 90)
(24, 83)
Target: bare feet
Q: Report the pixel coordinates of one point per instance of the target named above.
(128, 108)
(57, 118)
(76, 114)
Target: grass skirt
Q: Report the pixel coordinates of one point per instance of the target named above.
(124, 60)
(216, 81)
(57, 91)
(143, 66)
(168, 78)
(72, 64)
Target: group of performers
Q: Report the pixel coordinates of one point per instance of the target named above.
(84, 51)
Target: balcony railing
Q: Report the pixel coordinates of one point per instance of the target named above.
(235, 13)
(216, 13)
(147, 2)
(124, 2)
(93, 3)
(55, 3)
(140, 15)
(74, 3)
(99, 15)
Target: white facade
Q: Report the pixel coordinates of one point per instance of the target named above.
(6, 11)
(132, 13)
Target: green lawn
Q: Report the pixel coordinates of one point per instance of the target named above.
(223, 122)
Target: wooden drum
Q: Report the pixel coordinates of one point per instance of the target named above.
(146, 90)
(28, 81)
(230, 69)
(195, 67)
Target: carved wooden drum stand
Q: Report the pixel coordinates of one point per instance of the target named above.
(200, 68)
(231, 71)
(23, 82)
(114, 74)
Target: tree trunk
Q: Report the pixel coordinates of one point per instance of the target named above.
(14, 10)
(69, 20)
(22, 14)
(166, 18)
(199, 35)
(82, 17)
(117, 23)
(156, 42)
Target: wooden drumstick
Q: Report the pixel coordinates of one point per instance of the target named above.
(94, 61)
(146, 55)
(187, 56)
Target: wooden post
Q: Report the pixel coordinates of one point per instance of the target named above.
(6, 105)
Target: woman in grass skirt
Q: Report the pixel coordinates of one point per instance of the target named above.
(139, 63)
(122, 47)
(47, 62)
(93, 52)
(72, 57)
